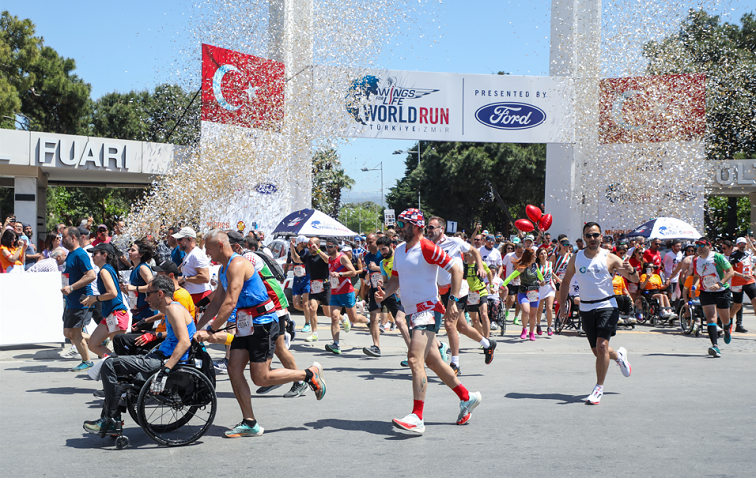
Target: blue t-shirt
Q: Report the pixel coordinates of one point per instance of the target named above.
(77, 265)
(253, 293)
(170, 342)
(108, 306)
(177, 256)
(136, 280)
(367, 259)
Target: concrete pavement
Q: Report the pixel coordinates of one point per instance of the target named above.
(681, 413)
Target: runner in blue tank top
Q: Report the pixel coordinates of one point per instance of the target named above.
(241, 289)
(594, 269)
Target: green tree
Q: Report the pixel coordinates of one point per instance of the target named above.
(149, 116)
(726, 54)
(328, 180)
(361, 217)
(68, 205)
(51, 97)
(459, 170)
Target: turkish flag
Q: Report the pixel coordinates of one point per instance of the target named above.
(652, 109)
(241, 90)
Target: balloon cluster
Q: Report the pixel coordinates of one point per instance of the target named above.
(543, 221)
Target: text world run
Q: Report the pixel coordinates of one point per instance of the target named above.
(398, 114)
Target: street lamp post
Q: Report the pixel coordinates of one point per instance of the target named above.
(400, 151)
(379, 167)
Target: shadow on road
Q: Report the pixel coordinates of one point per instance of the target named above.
(374, 427)
(562, 398)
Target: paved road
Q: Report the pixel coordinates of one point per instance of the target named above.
(681, 413)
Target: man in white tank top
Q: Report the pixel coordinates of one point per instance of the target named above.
(594, 268)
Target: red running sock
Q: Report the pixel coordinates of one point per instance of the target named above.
(417, 408)
(461, 392)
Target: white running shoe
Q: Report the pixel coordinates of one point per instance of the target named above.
(312, 338)
(287, 340)
(410, 423)
(466, 408)
(624, 365)
(595, 397)
(71, 353)
(347, 325)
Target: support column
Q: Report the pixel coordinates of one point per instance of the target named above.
(291, 42)
(26, 197)
(575, 44)
(752, 198)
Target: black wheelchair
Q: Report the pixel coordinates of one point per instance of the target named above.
(496, 313)
(651, 311)
(182, 412)
(572, 321)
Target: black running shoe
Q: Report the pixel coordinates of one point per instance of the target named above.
(264, 390)
(455, 368)
(489, 351)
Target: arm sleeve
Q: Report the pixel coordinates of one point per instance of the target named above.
(435, 255)
(511, 277)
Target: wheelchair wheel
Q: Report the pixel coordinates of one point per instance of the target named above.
(131, 405)
(559, 323)
(183, 412)
(643, 310)
(501, 317)
(687, 319)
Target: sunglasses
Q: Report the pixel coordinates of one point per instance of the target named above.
(331, 247)
(701, 245)
(477, 240)
(595, 235)
(147, 294)
(430, 228)
(566, 243)
(400, 224)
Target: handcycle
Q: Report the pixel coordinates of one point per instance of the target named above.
(181, 413)
(572, 320)
(496, 313)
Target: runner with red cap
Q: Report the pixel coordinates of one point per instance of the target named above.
(416, 265)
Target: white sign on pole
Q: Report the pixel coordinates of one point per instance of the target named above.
(451, 227)
(388, 217)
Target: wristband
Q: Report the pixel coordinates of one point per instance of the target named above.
(209, 328)
(97, 298)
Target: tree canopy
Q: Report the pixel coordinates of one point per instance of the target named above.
(451, 180)
(328, 179)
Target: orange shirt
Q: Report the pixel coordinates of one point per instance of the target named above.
(654, 282)
(4, 262)
(618, 282)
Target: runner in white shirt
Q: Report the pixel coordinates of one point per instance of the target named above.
(491, 256)
(195, 267)
(454, 247)
(670, 261)
(415, 269)
(594, 268)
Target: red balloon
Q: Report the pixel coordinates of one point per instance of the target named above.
(545, 223)
(524, 225)
(533, 213)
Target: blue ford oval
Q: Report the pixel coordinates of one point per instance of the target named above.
(510, 116)
(266, 188)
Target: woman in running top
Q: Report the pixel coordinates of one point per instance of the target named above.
(140, 254)
(113, 308)
(559, 261)
(546, 293)
(477, 298)
(531, 281)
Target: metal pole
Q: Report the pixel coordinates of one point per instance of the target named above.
(418, 167)
(382, 206)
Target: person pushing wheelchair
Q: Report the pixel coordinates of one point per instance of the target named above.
(180, 329)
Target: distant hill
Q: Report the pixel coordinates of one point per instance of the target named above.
(358, 196)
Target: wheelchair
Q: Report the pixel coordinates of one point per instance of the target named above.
(496, 313)
(182, 412)
(651, 310)
(572, 321)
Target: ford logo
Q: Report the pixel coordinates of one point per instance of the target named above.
(266, 188)
(510, 115)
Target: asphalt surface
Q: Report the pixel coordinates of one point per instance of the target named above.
(681, 413)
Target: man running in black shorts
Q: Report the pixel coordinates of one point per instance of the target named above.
(594, 268)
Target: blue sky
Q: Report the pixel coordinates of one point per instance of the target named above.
(120, 46)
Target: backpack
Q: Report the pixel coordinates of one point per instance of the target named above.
(273, 266)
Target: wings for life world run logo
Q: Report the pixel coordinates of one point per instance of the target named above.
(386, 105)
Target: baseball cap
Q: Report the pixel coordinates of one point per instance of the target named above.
(185, 232)
(490, 237)
(346, 248)
(234, 237)
(83, 231)
(703, 241)
(741, 240)
(516, 240)
(413, 216)
(301, 240)
(103, 246)
(169, 267)
(358, 239)
(102, 226)
(528, 238)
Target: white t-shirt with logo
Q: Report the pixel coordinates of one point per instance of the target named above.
(492, 258)
(193, 261)
(509, 267)
(454, 247)
(670, 262)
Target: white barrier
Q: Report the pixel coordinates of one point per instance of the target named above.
(31, 308)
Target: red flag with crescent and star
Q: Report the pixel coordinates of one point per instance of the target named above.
(241, 90)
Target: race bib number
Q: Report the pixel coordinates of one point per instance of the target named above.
(711, 281)
(747, 269)
(132, 300)
(737, 288)
(112, 322)
(243, 323)
(426, 317)
(532, 296)
(64, 280)
(316, 286)
(375, 278)
(473, 298)
(335, 281)
(299, 271)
